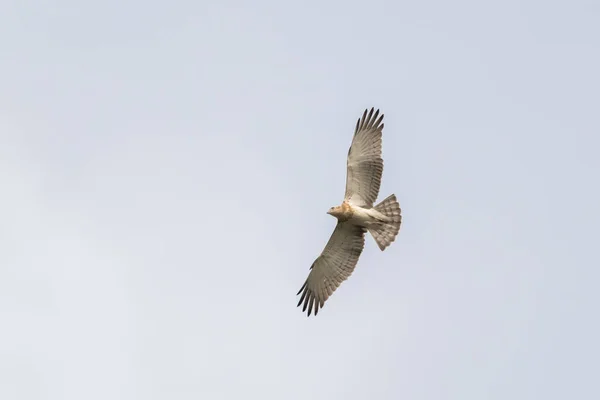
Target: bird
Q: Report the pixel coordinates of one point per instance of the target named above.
(355, 216)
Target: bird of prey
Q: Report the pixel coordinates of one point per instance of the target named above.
(355, 216)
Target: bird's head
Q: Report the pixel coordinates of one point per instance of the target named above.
(334, 211)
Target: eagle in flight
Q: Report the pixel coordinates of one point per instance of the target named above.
(355, 216)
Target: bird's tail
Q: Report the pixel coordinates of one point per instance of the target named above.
(385, 233)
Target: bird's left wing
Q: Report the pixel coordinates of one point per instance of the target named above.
(364, 164)
(335, 264)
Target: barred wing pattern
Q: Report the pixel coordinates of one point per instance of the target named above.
(335, 264)
(365, 165)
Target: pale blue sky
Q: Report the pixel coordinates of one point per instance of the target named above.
(165, 174)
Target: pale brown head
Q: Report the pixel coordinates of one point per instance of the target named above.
(335, 211)
(342, 213)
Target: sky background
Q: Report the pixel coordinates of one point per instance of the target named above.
(166, 168)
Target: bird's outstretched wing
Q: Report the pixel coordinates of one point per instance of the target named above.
(365, 165)
(335, 264)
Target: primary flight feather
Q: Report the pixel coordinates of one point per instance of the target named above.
(356, 215)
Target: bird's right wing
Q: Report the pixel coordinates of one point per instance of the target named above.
(335, 264)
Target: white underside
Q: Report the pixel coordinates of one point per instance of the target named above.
(367, 217)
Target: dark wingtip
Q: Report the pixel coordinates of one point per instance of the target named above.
(369, 119)
(302, 298)
(370, 115)
(302, 288)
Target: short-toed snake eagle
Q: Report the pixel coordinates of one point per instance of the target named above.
(355, 216)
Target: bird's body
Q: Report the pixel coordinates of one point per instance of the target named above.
(356, 215)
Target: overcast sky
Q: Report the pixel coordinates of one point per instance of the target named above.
(166, 168)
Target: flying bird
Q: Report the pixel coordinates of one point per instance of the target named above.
(355, 216)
